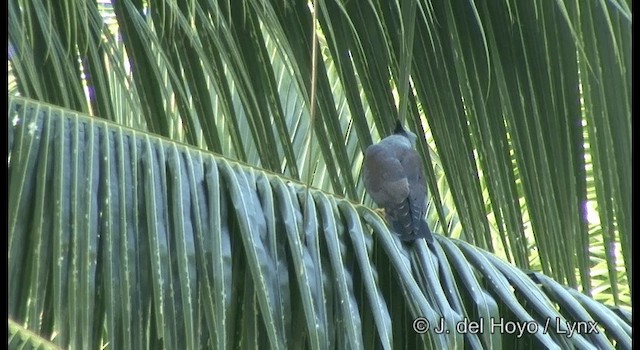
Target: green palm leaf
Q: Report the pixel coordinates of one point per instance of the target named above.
(138, 241)
(124, 239)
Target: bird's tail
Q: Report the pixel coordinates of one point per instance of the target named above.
(421, 231)
(424, 232)
(408, 230)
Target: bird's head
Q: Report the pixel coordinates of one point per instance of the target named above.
(400, 130)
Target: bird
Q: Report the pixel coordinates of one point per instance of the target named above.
(394, 178)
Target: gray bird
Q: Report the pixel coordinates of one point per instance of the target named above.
(393, 177)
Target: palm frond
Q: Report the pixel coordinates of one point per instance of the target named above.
(121, 237)
(522, 111)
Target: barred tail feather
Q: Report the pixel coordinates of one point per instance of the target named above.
(407, 227)
(424, 232)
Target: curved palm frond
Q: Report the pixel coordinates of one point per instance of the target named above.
(167, 246)
(523, 113)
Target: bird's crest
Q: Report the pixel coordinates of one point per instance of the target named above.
(400, 130)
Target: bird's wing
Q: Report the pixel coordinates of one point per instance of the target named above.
(412, 167)
(409, 215)
(384, 176)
